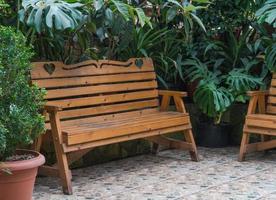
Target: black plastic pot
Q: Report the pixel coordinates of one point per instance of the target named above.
(213, 135)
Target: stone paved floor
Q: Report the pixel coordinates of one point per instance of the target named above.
(171, 175)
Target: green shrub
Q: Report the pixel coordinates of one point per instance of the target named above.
(20, 102)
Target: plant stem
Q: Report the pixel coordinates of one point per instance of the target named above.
(218, 118)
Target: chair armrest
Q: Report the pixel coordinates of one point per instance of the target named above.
(52, 108)
(257, 93)
(172, 93)
(257, 100)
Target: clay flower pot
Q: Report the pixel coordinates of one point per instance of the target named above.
(20, 183)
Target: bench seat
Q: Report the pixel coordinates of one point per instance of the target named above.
(82, 132)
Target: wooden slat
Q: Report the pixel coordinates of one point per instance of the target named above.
(271, 100)
(258, 130)
(262, 117)
(90, 80)
(272, 91)
(124, 138)
(127, 129)
(273, 82)
(108, 109)
(109, 117)
(261, 123)
(270, 109)
(100, 89)
(105, 99)
(90, 67)
(80, 127)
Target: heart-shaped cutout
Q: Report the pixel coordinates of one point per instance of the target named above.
(139, 63)
(50, 68)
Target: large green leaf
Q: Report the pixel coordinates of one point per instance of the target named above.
(143, 19)
(212, 100)
(270, 57)
(240, 81)
(196, 69)
(122, 8)
(50, 14)
(268, 13)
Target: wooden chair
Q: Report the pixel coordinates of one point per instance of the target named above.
(95, 103)
(261, 120)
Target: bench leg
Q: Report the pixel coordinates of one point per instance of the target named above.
(244, 142)
(64, 171)
(155, 148)
(188, 134)
(63, 166)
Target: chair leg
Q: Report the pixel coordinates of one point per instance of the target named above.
(244, 142)
(188, 134)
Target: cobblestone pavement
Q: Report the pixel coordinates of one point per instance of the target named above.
(171, 175)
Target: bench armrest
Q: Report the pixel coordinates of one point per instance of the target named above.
(52, 108)
(257, 93)
(177, 97)
(172, 93)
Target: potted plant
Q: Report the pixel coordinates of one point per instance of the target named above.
(215, 93)
(20, 121)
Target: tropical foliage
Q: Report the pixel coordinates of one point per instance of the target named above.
(225, 47)
(267, 15)
(218, 89)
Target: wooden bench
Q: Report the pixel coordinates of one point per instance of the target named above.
(95, 103)
(260, 120)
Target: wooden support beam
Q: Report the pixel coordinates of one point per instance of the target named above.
(260, 146)
(51, 171)
(171, 143)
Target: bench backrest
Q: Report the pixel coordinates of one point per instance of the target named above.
(271, 103)
(94, 88)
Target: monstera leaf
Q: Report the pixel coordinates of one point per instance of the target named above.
(213, 100)
(240, 81)
(268, 13)
(270, 57)
(50, 14)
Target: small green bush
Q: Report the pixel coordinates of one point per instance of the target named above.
(20, 102)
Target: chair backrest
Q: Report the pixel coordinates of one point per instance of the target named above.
(94, 88)
(271, 101)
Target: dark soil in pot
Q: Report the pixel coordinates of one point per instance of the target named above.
(213, 135)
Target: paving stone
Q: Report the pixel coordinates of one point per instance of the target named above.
(171, 175)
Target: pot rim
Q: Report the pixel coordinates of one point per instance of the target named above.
(37, 161)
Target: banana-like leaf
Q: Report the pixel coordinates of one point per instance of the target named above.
(50, 14)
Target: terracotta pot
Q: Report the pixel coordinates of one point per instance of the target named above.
(19, 185)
